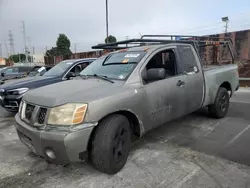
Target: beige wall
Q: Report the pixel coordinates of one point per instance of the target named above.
(2, 61)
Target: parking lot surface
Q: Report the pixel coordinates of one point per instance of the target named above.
(194, 151)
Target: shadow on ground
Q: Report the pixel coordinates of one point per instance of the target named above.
(211, 136)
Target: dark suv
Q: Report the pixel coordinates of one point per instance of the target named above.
(12, 92)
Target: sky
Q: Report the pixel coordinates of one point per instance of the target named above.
(83, 21)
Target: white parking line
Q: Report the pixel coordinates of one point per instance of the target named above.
(239, 101)
(238, 135)
(213, 127)
(188, 177)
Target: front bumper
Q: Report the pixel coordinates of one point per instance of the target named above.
(10, 103)
(67, 146)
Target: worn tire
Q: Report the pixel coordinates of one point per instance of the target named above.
(111, 144)
(216, 110)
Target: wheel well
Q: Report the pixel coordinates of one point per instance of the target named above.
(227, 86)
(133, 120)
(134, 124)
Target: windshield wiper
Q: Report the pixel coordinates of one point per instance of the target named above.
(101, 77)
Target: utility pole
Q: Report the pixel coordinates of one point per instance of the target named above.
(6, 48)
(11, 43)
(24, 40)
(75, 51)
(127, 39)
(33, 52)
(19, 58)
(107, 22)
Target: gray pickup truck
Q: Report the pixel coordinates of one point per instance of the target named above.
(118, 98)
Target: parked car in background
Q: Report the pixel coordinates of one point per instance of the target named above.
(12, 92)
(8, 73)
(118, 98)
(38, 70)
(34, 71)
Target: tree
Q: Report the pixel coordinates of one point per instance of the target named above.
(52, 52)
(63, 45)
(110, 38)
(17, 58)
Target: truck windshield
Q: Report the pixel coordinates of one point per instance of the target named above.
(59, 69)
(115, 66)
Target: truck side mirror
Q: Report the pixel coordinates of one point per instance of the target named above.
(2, 74)
(154, 74)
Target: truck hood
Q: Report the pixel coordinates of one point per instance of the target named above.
(73, 91)
(24, 82)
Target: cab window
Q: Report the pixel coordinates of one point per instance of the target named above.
(79, 68)
(161, 66)
(187, 58)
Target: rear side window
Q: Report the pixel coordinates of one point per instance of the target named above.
(11, 70)
(188, 61)
(24, 69)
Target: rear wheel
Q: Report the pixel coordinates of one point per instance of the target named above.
(111, 144)
(220, 107)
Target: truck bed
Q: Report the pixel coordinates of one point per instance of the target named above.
(211, 67)
(215, 76)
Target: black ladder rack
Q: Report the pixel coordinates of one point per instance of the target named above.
(196, 41)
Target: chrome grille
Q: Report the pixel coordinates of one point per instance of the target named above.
(41, 115)
(29, 111)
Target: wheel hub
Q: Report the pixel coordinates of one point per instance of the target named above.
(223, 103)
(119, 142)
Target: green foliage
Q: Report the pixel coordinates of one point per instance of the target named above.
(52, 52)
(17, 58)
(110, 38)
(62, 47)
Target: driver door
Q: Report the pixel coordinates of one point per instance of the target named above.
(166, 98)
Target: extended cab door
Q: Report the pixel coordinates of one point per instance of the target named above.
(194, 80)
(166, 98)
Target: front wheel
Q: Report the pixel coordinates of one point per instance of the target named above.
(111, 144)
(220, 107)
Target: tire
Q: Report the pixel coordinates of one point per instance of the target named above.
(220, 107)
(111, 144)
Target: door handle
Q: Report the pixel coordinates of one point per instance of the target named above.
(180, 83)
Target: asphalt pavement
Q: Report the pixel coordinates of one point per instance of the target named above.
(194, 151)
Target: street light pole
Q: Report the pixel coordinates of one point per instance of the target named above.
(107, 22)
(226, 20)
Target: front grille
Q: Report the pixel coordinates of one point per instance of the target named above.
(2, 93)
(41, 115)
(28, 111)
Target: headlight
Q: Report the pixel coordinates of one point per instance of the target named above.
(68, 114)
(20, 108)
(18, 91)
